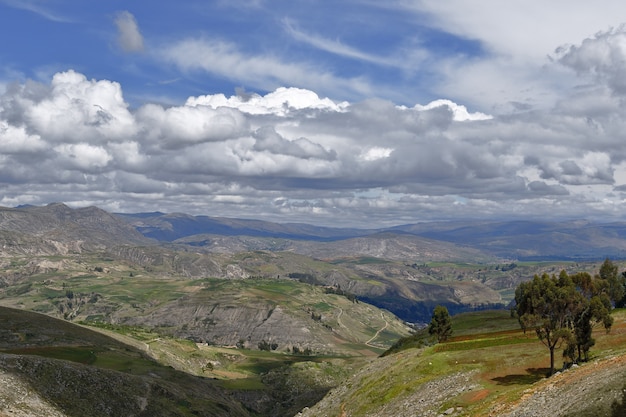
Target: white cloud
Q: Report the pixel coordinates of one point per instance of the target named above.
(36, 7)
(516, 38)
(176, 127)
(279, 102)
(602, 57)
(459, 111)
(335, 46)
(76, 107)
(129, 37)
(224, 59)
(15, 140)
(291, 154)
(521, 29)
(372, 154)
(83, 156)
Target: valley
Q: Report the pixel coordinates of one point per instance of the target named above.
(268, 319)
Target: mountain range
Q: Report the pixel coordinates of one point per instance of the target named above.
(406, 269)
(515, 240)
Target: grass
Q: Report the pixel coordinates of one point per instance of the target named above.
(84, 355)
(483, 322)
(502, 339)
(505, 362)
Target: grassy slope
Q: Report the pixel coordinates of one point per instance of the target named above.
(61, 361)
(489, 362)
(81, 372)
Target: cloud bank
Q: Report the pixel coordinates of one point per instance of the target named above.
(291, 155)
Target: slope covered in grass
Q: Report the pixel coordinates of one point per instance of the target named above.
(489, 368)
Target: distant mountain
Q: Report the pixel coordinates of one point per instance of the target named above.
(59, 229)
(532, 240)
(515, 240)
(170, 227)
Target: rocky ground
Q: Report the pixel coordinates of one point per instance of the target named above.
(595, 389)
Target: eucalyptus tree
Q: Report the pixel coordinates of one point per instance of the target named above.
(564, 310)
(545, 305)
(441, 324)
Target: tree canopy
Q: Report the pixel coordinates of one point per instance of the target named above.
(563, 310)
(440, 324)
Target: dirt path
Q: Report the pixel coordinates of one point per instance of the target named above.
(368, 343)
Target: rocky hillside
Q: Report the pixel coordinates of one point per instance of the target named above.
(227, 311)
(52, 368)
(58, 229)
(592, 390)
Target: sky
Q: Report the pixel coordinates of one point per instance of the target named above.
(353, 113)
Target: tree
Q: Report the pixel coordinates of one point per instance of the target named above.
(614, 281)
(440, 324)
(594, 308)
(545, 305)
(564, 310)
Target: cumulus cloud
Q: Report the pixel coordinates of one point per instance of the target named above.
(15, 140)
(602, 56)
(293, 155)
(511, 71)
(459, 111)
(177, 127)
(267, 140)
(279, 102)
(83, 157)
(75, 107)
(129, 37)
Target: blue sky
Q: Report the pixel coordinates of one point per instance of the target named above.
(355, 112)
(348, 50)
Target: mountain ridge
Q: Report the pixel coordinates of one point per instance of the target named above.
(91, 228)
(516, 239)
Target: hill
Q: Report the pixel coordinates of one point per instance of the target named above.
(58, 229)
(491, 369)
(53, 368)
(219, 311)
(532, 240)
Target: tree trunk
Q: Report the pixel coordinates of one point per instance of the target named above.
(551, 360)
